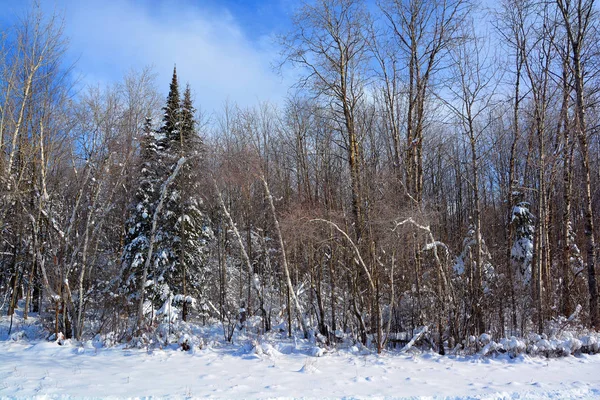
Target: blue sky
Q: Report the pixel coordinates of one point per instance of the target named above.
(224, 49)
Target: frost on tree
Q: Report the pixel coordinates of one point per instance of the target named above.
(522, 249)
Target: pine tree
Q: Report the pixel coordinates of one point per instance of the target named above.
(522, 249)
(193, 225)
(188, 123)
(466, 261)
(172, 112)
(140, 220)
(158, 161)
(185, 243)
(184, 229)
(178, 267)
(167, 238)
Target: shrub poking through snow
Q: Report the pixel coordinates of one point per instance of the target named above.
(534, 345)
(589, 344)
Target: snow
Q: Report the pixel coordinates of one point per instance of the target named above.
(431, 246)
(48, 370)
(459, 266)
(275, 367)
(519, 210)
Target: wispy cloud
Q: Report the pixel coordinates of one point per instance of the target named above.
(207, 44)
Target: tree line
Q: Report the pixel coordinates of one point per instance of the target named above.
(425, 170)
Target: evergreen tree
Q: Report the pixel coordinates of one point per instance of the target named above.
(158, 159)
(184, 242)
(178, 268)
(577, 264)
(467, 260)
(172, 112)
(522, 249)
(188, 122)
(184, 232)
(167, 237)
(139, 223)
(192, 223)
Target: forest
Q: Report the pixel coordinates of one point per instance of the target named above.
(427, 172)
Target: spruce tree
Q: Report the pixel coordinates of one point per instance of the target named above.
(184, 234)
(139, 224)
(188, 122)
(184, 246)
(193, 225)
(466, 262)
(178, 268)
(172, 112)
(522, 249)
(157, 161)
(167, 238)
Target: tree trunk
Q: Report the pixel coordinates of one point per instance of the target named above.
(284, 262)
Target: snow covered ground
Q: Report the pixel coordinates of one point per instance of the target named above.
(48, 370)
(276, 369)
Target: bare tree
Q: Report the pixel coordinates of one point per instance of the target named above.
(579, 22)
(330, 44)
(424, 32)
(473, 102)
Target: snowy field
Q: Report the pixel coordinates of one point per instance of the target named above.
(273, 368)
(48, 370)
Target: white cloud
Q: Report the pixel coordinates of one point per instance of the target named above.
(208, 46)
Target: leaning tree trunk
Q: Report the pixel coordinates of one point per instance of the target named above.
(284, 262)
